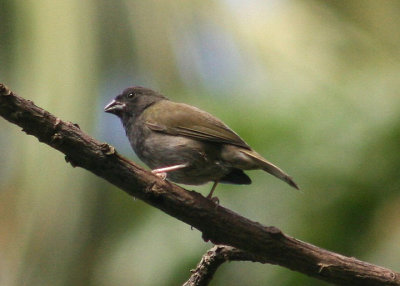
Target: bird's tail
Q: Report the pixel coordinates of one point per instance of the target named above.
(270, 168)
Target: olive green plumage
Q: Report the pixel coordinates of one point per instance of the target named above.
(197, 146)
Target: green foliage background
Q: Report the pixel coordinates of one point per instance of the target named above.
(312, 85)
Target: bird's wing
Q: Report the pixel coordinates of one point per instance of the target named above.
(184, 120)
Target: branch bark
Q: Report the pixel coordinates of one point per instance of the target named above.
(218, 224)
(209, 263)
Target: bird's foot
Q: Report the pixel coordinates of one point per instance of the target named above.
(215, 200)
(161, 175)
(162, 172)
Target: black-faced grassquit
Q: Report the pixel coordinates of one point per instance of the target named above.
(185, 144)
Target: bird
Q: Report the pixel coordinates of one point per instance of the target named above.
(185, 144)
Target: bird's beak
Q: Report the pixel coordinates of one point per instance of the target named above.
(114, 107)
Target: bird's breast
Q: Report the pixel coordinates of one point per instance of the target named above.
(158, 150)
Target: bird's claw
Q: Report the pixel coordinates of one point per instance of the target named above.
(161, 175)
(215, 200)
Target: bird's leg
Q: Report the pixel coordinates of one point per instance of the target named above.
(162, 172)
(212, 190)
(210, 197)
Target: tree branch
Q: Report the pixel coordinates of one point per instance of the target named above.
(216, 223)
(209, 263)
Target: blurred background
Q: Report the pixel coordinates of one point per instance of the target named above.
(312, 85)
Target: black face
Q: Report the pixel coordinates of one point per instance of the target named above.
(132, 101)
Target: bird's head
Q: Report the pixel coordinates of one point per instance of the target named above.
(133, 101)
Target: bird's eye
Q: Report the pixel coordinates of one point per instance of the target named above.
(130, 95)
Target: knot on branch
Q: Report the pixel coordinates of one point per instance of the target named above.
(4, 90)
(275, 232)
(56, 139)
(107, 149)
(57, 123)
(71, 161)
(155, 192)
